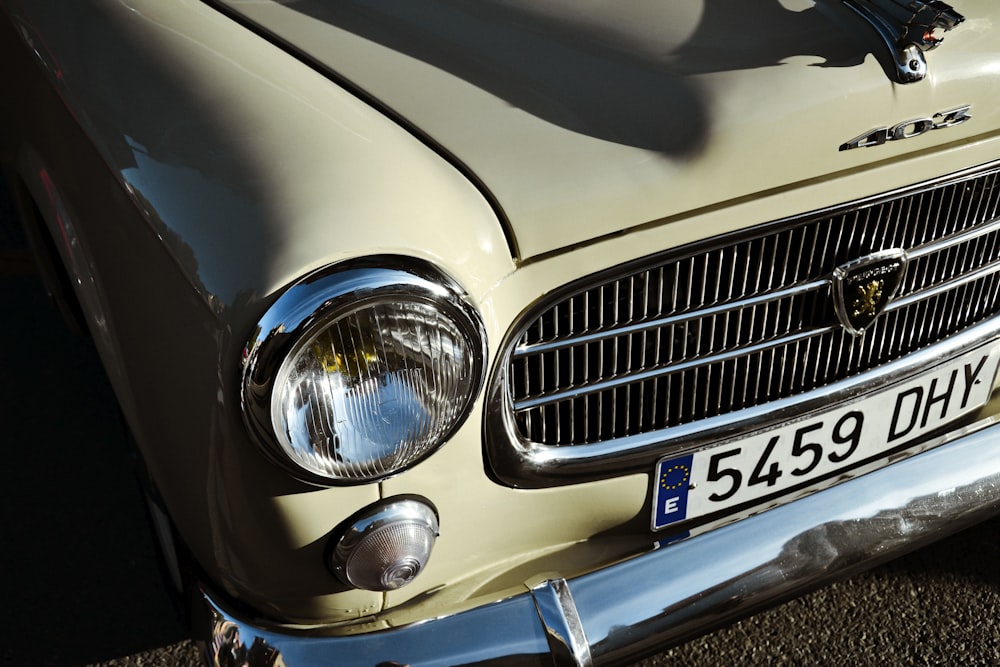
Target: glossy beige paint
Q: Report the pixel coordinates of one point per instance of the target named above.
(613, 515)
(280, 171)
(191, 161)
(586, 119)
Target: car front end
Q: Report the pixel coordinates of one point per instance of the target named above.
(519, 334)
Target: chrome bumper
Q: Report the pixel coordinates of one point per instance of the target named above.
(671, 594)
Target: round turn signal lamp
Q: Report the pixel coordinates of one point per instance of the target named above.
(386, 546)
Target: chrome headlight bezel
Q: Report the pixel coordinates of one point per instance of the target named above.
(318, 299)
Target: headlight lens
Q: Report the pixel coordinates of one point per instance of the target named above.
(363, 371)
(372, 391)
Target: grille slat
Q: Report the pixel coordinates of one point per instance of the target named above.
(742, 324)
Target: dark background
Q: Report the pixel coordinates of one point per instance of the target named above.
(81, 583)
(80, 578)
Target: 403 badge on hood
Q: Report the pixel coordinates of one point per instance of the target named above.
(910, 128)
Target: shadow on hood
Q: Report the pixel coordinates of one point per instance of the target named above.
(621, 71)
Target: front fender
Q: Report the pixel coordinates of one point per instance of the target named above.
(198, 171)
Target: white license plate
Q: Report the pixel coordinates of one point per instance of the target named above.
(768, 462)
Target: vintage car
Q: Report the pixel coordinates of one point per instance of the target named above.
(516, 332)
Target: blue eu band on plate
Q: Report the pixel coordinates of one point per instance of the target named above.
(771, 461)
(674, 479)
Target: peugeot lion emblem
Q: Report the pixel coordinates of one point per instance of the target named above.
(864, 287)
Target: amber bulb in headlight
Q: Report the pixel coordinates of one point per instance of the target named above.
(362, 369)
(373, 390)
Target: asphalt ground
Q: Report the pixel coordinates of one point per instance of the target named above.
(81, 583)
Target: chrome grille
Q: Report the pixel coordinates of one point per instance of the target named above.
(750, 320)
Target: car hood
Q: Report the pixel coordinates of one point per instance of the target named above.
(587, 119)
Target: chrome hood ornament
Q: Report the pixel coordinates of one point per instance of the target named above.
(908, 28)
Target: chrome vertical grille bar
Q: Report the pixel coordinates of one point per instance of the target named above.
(709, 334)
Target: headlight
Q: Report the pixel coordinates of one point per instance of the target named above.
(361, 370)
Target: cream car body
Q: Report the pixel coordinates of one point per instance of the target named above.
(194, 159)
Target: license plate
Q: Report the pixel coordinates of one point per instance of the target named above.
(768, 462)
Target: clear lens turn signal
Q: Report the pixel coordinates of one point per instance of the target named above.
(386, 546)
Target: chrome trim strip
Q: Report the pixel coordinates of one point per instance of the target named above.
(613, 332)
(483, 635)
(520, 462)
(923, 250)
(630, 610)
(559, 616)
(990, 269)
(946, 242)
(716, 579)
(666, 370)
(539, 466)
